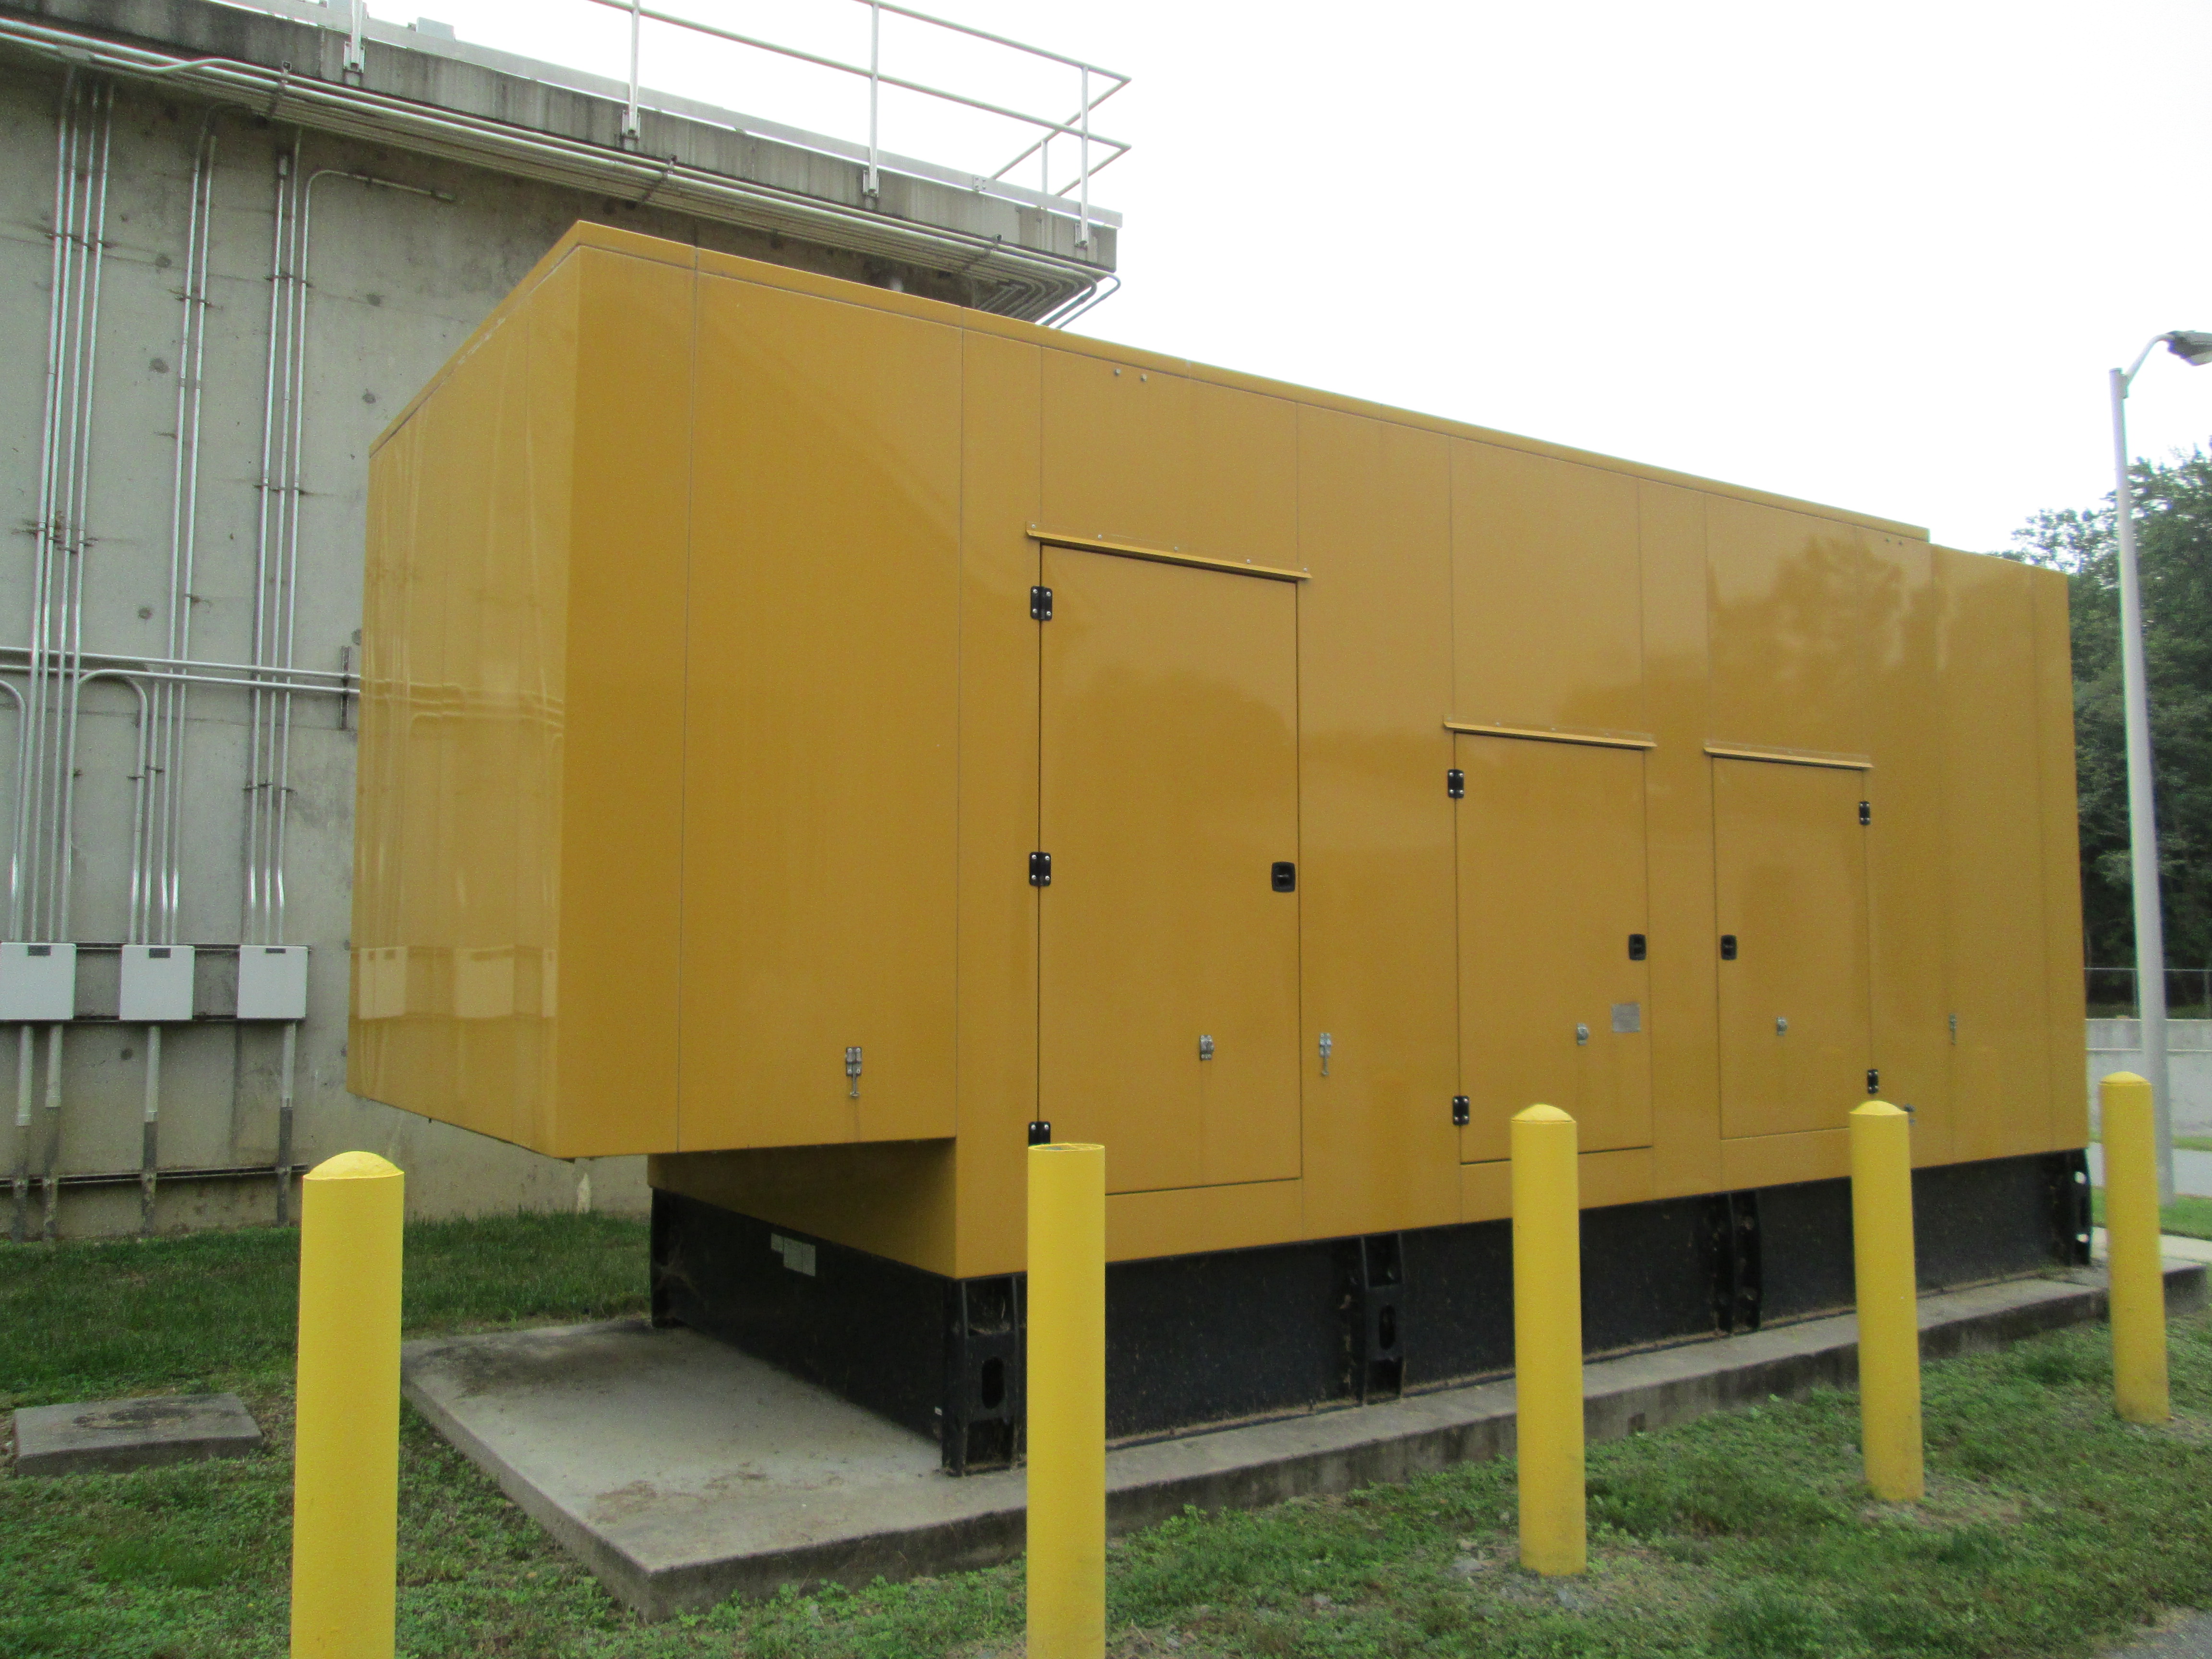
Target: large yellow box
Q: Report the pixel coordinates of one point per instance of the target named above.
(713, 727)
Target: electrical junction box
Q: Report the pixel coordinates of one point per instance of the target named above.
(38, 984)
(157, 984)
(272, 982)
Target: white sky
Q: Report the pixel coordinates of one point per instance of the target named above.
(1879, 256)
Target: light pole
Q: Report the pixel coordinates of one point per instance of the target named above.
(2195, 348)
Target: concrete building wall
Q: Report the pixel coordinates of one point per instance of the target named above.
(399, 270)
(2116, 1045)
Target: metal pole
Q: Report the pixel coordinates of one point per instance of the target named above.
(629, 118)
(2142, 818)
(357, 61)
(875, 185)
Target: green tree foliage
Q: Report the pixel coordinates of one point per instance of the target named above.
(2173, 543)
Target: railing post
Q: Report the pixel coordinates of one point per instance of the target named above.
(1888, 1302)
(2127, 1119)
(1083, 223)
(1066, 1396)
(345, 1478)
(1547, 1342)
(630, 117)
(875, 183)
(356, 60)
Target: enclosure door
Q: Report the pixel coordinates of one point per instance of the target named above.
(1554, 981)
(1168, 947)
(1789, 868)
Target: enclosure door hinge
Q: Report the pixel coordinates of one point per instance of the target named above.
(1455, 784)
(1866, 812)
(1874, 1079)
(1040, 604)
(1462, 1112)
(1039, 869)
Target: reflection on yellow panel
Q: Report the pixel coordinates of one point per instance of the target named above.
(1993, 856)
(1546, 592)
(1555, 926)
(1790, 863)
(1788, 661)
(1120, 451)
(819, 839)
(1168, 959)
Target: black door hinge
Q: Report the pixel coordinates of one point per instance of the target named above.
(1039, 869)
(1461, 1111)
(1455, 784)
(1866, 812)
(1040, 604)
(1874, 1079)
(1040, 1133)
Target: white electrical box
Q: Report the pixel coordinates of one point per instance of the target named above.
(379, 982)
(38, 984)
(157, 984)
(272, 982)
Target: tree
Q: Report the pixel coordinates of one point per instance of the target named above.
(2173, 548)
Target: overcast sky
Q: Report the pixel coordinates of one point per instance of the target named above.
(1879, 256)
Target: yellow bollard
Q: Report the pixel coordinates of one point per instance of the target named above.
(1547, 1341)
(345, 1476)
(1888, 1302)
(1067, 1386)
(2131, 1248)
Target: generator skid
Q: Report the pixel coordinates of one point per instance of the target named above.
(811, 734)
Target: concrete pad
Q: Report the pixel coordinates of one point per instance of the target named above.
(680, 1471)
(2172, 1246)
(109, 1436)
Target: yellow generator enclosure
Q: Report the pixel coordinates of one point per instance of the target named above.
(816, 737)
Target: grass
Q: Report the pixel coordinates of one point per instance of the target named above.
(2049, 1528)
(2186, 1218)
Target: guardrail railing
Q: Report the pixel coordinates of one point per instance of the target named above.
(1092, 85)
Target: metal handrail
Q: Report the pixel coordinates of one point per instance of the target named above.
(1076, 127)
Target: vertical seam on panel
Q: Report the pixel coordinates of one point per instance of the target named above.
(684, 667)
(1451, 753)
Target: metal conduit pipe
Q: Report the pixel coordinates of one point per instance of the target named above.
(1034, 280)
(274, 432)
(79, 543)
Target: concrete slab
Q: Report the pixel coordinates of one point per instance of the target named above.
(680, 1471)
(109, 1436)
(2172, 1246)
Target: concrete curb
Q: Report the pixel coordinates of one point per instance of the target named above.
(951, 1525)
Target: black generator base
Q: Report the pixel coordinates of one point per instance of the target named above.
(1198, 1341)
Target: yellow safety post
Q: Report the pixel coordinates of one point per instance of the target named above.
(345, 1475)
(1547, 1341)
(1888, 1302)
(2131, 1248)
(1067, 1386)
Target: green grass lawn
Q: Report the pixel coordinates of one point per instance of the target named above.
(2188, 1218)
(2050, 1528)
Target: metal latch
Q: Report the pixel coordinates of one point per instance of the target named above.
(1328, 1042)
(1636, 948)
(1582, 1035)
(1455, 784)
(1040, 604)
(1039, 869)
(1283, 876)
(1461, 1111)
(852, 1071)
(1205, 1048)
(1781, 1026)
(1728, 947)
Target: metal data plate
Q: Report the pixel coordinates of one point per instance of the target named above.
(38, 983)
(1627, 1017)
(156, 984)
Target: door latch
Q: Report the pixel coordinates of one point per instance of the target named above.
(1328, 1042)
(1205, 1048)
(1039, 869)
(1040, 604)
(1283, 876)
(1636, 949)
(1581, 1036)
(1728, 947)
(1461, 1111)
(852, 1071)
